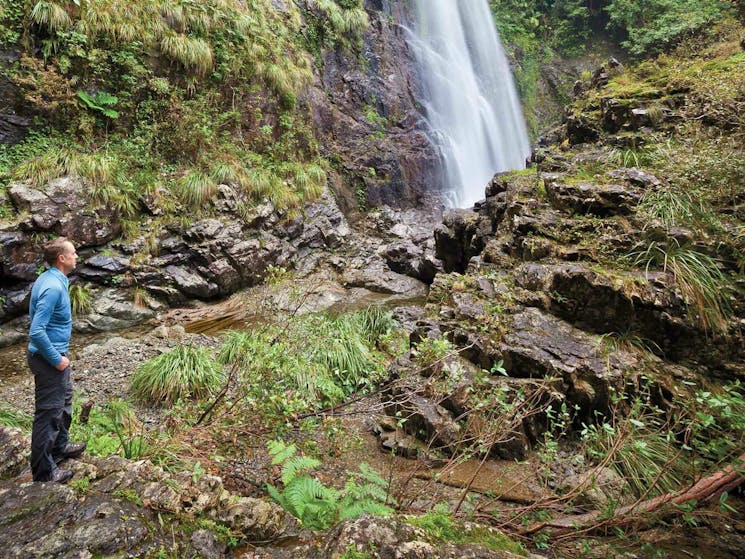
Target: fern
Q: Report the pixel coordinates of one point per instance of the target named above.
(317, 506)
(101, 102)
(280, 452)
(293, 466)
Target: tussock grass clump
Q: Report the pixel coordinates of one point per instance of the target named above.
(184, 372)
(196, 189)
(50, 15)
(192, 53)
(702, 284)
(81, 299)
(314, 358)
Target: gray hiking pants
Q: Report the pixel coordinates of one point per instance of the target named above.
(52, 416)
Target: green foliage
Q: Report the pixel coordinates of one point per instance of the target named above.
(716, 420)
(184, 372)
(645, 451)
(11, 417)
(704, 287)
(440, 526)
(655, 25)
(98, 432)
(334, 22)
(318, 506)
(101, 102)
(81, 299)
(659, 451)
(196, 189)
(430, 350)
(169, 124)
(127, 428)
(314, 360)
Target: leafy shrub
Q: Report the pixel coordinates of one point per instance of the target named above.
(318, 506)
(654, 25)
(430, 350)
(184, 372)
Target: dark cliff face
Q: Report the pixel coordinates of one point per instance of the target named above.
(13, 123)
(368, 121)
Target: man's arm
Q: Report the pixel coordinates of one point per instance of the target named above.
(45, 304)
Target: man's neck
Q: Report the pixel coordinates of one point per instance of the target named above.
(61, 270)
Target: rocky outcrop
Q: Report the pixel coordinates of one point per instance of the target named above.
(62, 206)
(118, 511)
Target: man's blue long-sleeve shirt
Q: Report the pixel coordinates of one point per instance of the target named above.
(51, 316)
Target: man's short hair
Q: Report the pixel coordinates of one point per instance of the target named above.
(54, 248)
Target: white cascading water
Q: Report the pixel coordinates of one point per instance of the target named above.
(471, 104)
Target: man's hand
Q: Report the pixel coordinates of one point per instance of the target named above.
(64, 364)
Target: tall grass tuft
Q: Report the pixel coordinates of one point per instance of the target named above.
(196, 189)
(315, 357)
(184, 372)
(50, 15)
(702, 284)
(191, 52)
(81, 299)
(675, 208)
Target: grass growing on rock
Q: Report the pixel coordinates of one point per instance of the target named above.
(702, 283)
(156, 95)
(182, 373)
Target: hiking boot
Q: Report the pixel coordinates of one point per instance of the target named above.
(72, 450)
(61, 476)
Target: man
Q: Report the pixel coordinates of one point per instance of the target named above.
(51, 326)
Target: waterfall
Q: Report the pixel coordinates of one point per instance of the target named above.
(471, 105)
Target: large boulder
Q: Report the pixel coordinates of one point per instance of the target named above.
(63, 207)
(113, 309)
(540, 345)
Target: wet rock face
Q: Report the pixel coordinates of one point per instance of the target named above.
(368, 117)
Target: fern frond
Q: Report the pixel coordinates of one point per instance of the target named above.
(297, 464)
(281, 451)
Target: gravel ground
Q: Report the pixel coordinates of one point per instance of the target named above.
(102, 371)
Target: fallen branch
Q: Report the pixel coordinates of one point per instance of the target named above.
(702, 491)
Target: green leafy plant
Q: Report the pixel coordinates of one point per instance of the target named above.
(430, 350)
(101, 102)
(184, 372)
(316, 505)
